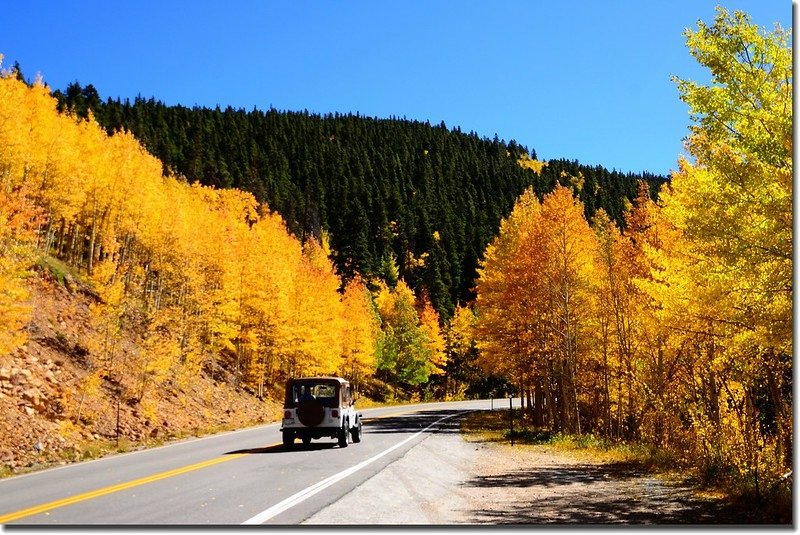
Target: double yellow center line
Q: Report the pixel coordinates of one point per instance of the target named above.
(10, 517)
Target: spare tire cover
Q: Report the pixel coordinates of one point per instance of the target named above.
(310, 413)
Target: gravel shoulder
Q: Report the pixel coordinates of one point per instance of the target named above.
(449, 480)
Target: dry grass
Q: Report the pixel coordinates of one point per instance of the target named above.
(495, 426)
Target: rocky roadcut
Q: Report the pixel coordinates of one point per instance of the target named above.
(40, 385)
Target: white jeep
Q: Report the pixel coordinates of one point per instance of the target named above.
(317, 407)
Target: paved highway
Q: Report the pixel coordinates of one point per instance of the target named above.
(240, 477)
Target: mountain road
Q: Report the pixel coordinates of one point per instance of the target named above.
(239, 477)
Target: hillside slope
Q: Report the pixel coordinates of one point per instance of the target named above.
(44, 382)
(426, 198)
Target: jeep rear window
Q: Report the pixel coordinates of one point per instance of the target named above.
(325, 393)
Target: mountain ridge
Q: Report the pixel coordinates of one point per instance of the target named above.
(394, 195)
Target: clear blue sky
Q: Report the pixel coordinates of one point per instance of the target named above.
(575, 79)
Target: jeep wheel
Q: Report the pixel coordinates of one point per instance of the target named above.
(356, 432)
(288, 439)
(344, 435)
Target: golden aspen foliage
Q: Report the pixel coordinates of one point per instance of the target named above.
(108, 318)
(461, 351)
(360, 331)
(510, 303)
(731, 208)
(434, 339)
(19, 220)
(534, 302)
(615, 326)
(734, 200)
(316, 345)
(212, 279)
(569, 248)
(460, 332)
(534, 165)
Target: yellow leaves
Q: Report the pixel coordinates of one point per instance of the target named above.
(733, 204)
(460, 334)
(14, 310)
(532, 281)
(360, 329)
(209, 272)
(412, 262)
(527, 162)
(18, 221)
(434, 340)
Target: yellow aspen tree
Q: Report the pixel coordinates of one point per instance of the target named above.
(268, 281)
(318, 311)
(570, 245)
(360, 329)
(510, 305)
(108, 319)
(434, 339)
(19, 220)
(613, 319)
(733, 205)
(461, 351)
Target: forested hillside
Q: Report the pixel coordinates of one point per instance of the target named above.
(399, 198)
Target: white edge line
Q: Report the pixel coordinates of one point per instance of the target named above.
(306, 493)
(188, 440)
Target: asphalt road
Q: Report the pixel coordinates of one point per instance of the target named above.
(241, 477)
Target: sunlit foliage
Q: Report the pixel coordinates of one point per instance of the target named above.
(676, 329)
(211, 278)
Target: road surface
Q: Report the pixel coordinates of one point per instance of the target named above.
(241, 477)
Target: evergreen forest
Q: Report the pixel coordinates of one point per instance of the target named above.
(399, 198)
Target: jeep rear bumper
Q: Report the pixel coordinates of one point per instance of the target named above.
(312, 432)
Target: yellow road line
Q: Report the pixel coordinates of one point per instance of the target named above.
(10, 517)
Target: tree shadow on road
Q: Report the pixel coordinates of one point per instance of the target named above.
(588, 494)
(409, 423)
(413, 422)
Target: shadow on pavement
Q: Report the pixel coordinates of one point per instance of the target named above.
(414, 422)
(280, 448)
(606, 494)
(410, 423)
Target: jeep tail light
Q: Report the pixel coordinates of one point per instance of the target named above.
(334, 413)
(287, 414)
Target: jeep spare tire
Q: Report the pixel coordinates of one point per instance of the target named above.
(310, 413)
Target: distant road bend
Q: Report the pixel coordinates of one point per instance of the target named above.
(240, 477)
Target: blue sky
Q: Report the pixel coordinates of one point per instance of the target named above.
(579, 80)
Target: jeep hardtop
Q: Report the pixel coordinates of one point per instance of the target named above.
(317, 407)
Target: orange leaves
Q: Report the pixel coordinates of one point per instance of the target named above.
(19, 219)
(532, 273)
(209, 274)
(534, 296)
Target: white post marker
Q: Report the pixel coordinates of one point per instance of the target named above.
(304, 494)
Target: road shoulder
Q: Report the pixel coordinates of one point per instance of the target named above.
(447, 480)
(423, 487)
